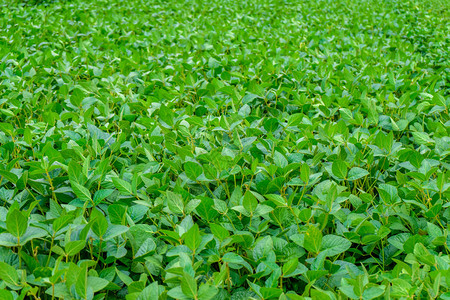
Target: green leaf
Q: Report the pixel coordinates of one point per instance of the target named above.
(96, 283)
(270, 293)
(219, 231)
(205, 209)
(423, 255)
(304, 173)
(189, 285)
(147, 247)
(279, 160)
(192, 238)
(123, 186)
(175, 203)
(117, 214)
(339, 169)
(81, 285)
(81, 192)
(422, 138)
(250, 202)
(166, 115)
(99, 223)
(333, 245)
(61, 222)
(9, 176)
(356, 173)
(373, 292)
(313, 239)
(32, 233)
(60, 290)
(234, 258)
(290, 266)
(151, 292)
(101, 194)
(207, 292)
(373, 113)
(7, 128)
(6, 295)
(177, 293)
(124, 277)
(8, 240)
(277, 199)
(74, 247)
(8, 274)
(192, 205)
(388, 193)
(16, 223)
(114, 231)
(193, 170)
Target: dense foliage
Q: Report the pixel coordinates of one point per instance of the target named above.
(233, 149)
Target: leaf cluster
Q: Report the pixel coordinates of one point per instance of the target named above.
(224, 150)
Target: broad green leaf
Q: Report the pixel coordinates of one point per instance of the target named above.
(205, 209)
(357, 173)
(279, 160)
(333, 245)
(339, 169)
(175, 203)
(6, 295)
(304, 173)
(16, 223)
(219, 231)
(74, 247)
(193, 170)
(313, 239)
(9, 176)
(373, 292)
(151, 292)
(192, 238)
(207, 292)
(102, 194)
(271, 292)
(32, 233)
(60, 290)
(177, 293)
(166, 115)
(250, 202)
(422, 138)
(117, 214)
(189, 285)
(234, 258)
(290, 266)
(81, 192)
(123, 186)
(8, 274)
(61, 222)
(114, 231)
(277, 199)
(423, 255)
(96, 283)
(99, 223)
(147, 247)
(81, 285)
(8, 240)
